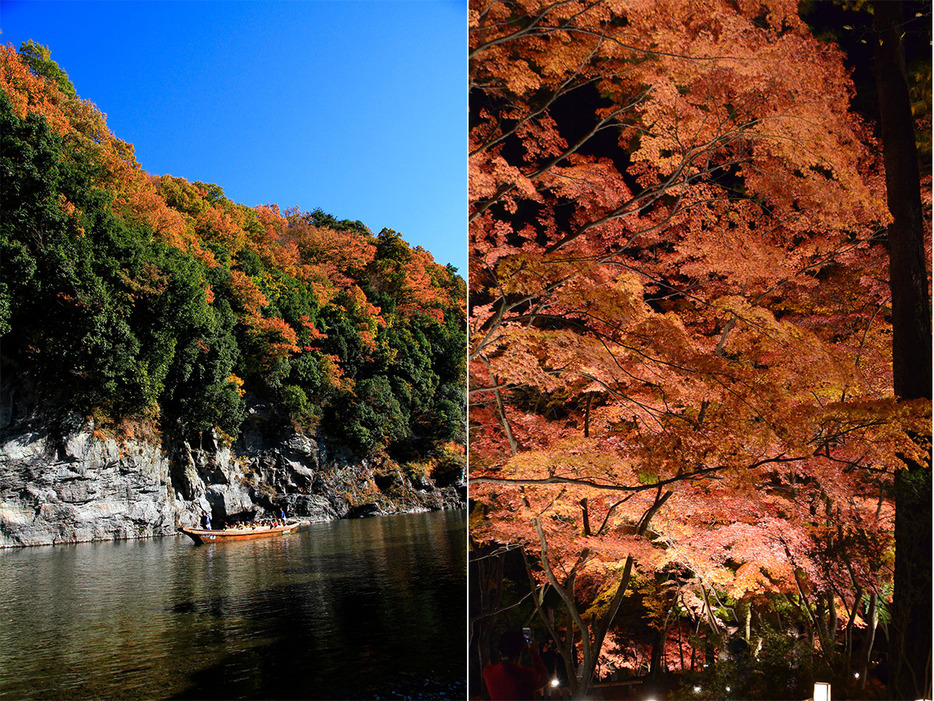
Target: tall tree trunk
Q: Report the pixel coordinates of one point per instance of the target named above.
(908, 279)
(910, 653)
(832, 620)
(681, 644)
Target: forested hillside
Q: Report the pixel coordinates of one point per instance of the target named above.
(167, 353)
(153, 303)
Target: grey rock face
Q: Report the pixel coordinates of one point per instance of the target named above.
(82, 489)
(74, 484)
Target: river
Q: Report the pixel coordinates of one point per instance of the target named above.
(346, 609)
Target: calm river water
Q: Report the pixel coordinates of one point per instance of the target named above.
(336, 610)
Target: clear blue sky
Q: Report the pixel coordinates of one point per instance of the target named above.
(356, 107)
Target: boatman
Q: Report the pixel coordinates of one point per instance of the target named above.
(205, 520)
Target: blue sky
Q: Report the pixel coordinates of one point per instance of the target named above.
(358, 107)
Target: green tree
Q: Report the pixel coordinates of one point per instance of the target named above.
(39, 60)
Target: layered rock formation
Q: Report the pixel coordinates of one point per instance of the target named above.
(68, 481)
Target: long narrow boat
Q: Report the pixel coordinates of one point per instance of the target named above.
(203, 535)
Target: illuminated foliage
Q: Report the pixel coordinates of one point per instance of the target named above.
(680, 327)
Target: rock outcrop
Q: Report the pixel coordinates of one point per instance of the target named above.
(68, 481)
(79, 488)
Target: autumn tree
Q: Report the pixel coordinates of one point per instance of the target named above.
(39, 60)
(679, 316)
(125, 294)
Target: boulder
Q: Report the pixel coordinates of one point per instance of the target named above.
(228, 501)
(365, 511)
(313, 507)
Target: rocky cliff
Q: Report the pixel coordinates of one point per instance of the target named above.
(68, 480)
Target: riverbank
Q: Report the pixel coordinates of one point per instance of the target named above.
(414, 686)
(72, 481)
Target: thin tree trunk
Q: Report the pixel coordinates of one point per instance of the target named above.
(658, 646)
(585, 515)
(681, 643)
(593, 631)
(832, 619)
(865, 655)
(587, 416)
(848, 634)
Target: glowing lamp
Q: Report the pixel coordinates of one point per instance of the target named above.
(554, 682)
(821, 691)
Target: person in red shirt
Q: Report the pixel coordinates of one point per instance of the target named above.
(507, 680)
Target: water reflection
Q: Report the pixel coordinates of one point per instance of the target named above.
(328, 612)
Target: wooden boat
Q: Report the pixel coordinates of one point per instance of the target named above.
(204, 535)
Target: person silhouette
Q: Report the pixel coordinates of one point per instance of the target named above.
(507, 680)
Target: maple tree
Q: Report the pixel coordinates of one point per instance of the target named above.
(680, 324)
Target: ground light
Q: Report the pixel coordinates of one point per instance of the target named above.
(821, 691)
(554, 682)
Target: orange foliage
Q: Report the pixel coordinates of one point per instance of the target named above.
(328, 255)
(272, 221)
(675, 309)
(215, 224)
(331, 366)
(279, 338)
(238, 383)
(29, 93)
(419, 280)
(312, 330)
(246, 293)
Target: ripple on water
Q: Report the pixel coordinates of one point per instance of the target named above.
(333, 608)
